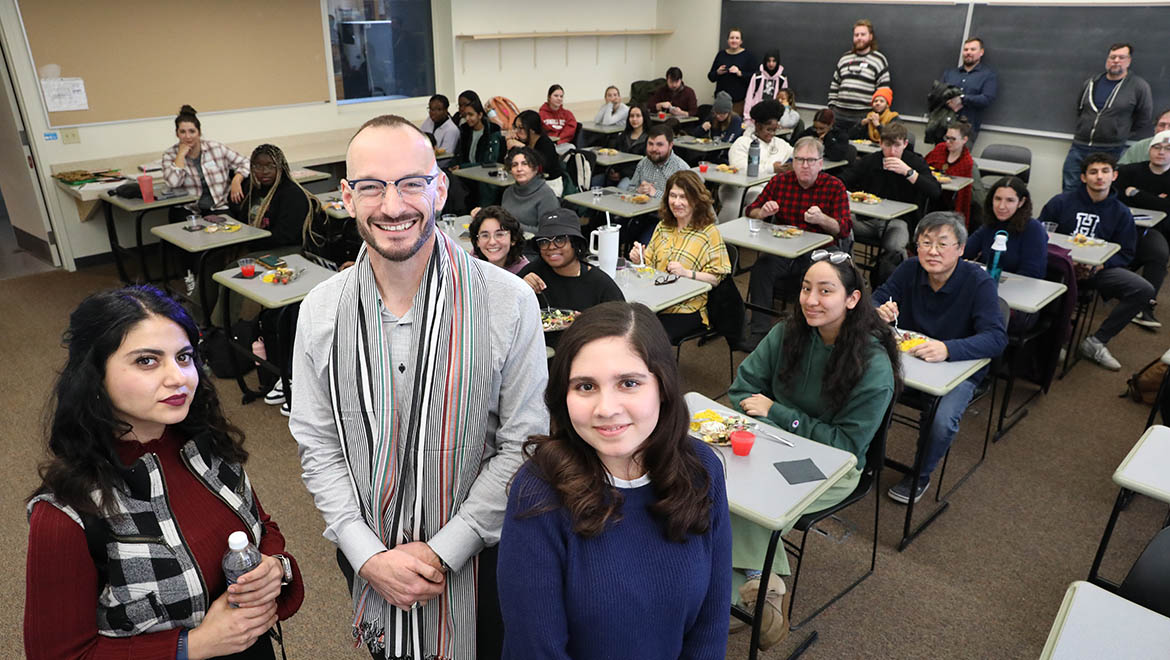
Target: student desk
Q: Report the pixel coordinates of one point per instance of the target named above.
(481, 174)
(1145, 470)
(1147, 217)
(865, 146)
(1089, 255)
(693, 144)
(682, 120)
(887, 209)
(204, 244)
(1003, 167)
(736, 233)
(331, 203)
(1093, 623)
(620, 158)
(641, 289)
(834, 164)
(610, 201)
(270, 296)
(603, 129)
(934, 380)
(757, 492)
(956, 183)
(738, 179)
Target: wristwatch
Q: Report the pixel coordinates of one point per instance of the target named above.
(910, 172)
(286, 567)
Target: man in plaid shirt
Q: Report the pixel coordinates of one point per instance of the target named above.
(806, 198)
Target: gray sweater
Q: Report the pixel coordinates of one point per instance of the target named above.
(1127, 111)
(526, 202)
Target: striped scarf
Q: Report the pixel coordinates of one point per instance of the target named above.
(412, 468)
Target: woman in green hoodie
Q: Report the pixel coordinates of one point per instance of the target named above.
(827, 373)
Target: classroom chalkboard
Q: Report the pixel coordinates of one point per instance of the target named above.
(919, 41)
(1044, 54)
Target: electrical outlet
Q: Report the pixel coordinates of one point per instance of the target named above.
(70, 136)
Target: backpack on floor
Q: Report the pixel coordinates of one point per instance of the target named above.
(1143, 385)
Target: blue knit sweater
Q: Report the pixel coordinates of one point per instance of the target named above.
(626, 593)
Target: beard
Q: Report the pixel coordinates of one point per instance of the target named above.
(426, 234)
(865, 46)
(658, 160)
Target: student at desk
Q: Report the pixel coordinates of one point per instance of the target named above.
(1010, 210)
(528, 131)
(201, 167)
(952, 158)
(1147, 184)
(273, 200)
(828, 374)
(480, 143)
(530, 197)
(631, 141)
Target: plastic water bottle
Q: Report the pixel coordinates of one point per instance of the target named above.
(998, 247)
(753, 168)
(240, 558)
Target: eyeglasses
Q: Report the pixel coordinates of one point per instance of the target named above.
(555, 241)
(927, 246)
(834, 257)
(1119, 57)
(807, 162)
(499, 235)
(951, 138)
(369, 191)
(270, 167)
(665, 279)
(1160, 147)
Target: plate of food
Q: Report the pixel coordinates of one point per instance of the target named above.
(635, 199)
(703, 140)
(715, 428)
(941, 178)
(909, 339)
(864, 198)
(727, 168)
(786, 231)
(1084, 240)
(555, 320)
(606, 151)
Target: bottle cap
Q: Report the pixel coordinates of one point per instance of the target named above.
(237, 541)
(1000, 242)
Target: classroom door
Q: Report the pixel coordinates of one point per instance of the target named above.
(19, 182)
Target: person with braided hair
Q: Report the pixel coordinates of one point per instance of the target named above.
(272, 200)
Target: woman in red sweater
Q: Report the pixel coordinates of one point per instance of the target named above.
(143, 483)
(952, 158)
(559, 124)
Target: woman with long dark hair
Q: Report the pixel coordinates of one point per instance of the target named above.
(615, 541)
(1009, 209)
(200, 167)
(632, 140)
(827, 373)
(143, 483)
(497, 237)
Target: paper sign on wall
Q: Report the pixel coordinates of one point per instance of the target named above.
(64, 94)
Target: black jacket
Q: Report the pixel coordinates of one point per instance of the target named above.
(868, 174)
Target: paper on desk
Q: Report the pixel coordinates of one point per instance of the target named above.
(64, 94)
(152, 166)
(101, 186)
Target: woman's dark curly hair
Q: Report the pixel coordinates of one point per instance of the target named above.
(851, 350)
(508, 223)
(81, 424)
(1021, 217)
(571, 467)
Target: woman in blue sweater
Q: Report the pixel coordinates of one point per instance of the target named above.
(1010, 210)
(616, 541)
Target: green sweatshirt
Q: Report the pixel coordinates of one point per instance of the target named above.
(803, 412)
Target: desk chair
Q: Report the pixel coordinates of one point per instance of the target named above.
(1148, 581)
(1012, 153)
(875, 456)
(726, 312)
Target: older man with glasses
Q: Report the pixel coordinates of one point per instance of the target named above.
(955, 304)
(805, 197)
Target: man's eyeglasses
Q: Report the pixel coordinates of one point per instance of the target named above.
(499, 235)
(942, 246)
(555, 241)
(1164, 146)
(834, 257)
(665, 278)
(413, 186)
(807, 162)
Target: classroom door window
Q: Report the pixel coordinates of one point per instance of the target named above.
(382, 49)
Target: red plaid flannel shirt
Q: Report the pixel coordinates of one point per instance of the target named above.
(828, 193)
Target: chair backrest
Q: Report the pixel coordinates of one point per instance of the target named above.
(640, 90)
(875, 456)
(1005, 311)
(704, 111)
(1012, 153)
(1148, 581)
(725, 308)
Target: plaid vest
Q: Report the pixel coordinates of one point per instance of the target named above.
(148, 579)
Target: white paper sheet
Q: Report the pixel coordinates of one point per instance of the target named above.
(64, 94)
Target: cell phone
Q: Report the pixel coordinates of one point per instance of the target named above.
(271, 262)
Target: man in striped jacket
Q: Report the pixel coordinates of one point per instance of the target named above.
(858, 75)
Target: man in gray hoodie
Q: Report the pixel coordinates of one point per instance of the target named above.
(1112, 106)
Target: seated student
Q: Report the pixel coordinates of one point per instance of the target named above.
(674, 98)
(530, 197)
(836, 143)
(439, 126)
(791, 117)
(1095, 211)
(480, 143)
(686, 243)
(722, 123)
(201, 167)
(766, 83)
(870, 127)
(559, 124)
(952, 158)
(561, 277)
(465, 99)
(805, 197)
(1146, 185)
(528, 131)
(895, 173)
(774, 155)
(273, 200)
(1139, 151)
(826, 373)
(659, 164)
(613, 112)
(631, 141)
(1010, 209)
(955, 304)
(497, 238)
(616, 541)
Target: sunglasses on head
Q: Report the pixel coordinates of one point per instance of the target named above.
(834, 257)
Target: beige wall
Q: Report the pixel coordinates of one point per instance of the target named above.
(694, 43)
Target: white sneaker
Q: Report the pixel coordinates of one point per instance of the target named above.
(1092, 348)
(275, 396)
(285, 409)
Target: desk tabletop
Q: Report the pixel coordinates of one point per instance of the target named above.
(739, 179)
(1144, 469)
(956, 183)
(275, 296)
(331, 202)
(693, 144)
(611, 201)
(1004, 167)
(305, 175)
(755, 489)
(682, 120)
(642, 289)
(834, 164)
(887, 209)
(605, 129)
(736, 232)
(1028, 294)
(865, 146)
(1093, 623)
(1147, 217)
(201, 241)
(938, 378)
(480, 173)
(606, 160)
(1090, 255)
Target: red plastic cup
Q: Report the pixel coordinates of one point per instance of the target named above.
(703, 167)
(247, 267)
(741, 442)
(146, 185)
(662, 115)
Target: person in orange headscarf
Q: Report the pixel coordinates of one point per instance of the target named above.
(882, 114)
